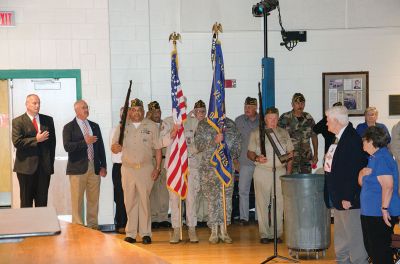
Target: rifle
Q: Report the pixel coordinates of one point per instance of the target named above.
(261, 123)
(124, 115)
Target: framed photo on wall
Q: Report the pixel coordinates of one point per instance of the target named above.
(349, 88)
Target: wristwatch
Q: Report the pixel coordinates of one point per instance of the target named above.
(384, 208)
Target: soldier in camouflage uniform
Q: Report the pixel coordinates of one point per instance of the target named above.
(299, 125)
(206, 140)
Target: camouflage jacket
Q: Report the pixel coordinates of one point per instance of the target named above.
(204, 140)
(299, 129)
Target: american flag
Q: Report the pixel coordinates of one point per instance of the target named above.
(178, 161)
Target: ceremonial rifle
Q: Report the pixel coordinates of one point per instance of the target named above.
(261, 123)
(124, 115)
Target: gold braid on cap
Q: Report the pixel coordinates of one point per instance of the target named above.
(250, 101)
(153, 106)
(200, 104)
(136, 102)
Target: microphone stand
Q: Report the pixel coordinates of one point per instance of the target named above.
(274, 211)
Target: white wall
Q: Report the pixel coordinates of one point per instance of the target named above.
(66, 34)
(345, 35)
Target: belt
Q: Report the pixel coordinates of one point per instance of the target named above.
(133, 165)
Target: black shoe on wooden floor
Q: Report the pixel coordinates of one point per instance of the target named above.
(146, 240)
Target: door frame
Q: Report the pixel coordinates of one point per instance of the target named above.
(38, 74)
(43, 74)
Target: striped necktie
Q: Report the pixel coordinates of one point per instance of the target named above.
(90, 150)
(336, 140)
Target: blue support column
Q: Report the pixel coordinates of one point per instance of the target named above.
(268, 82)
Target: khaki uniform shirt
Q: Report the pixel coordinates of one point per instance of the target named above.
(139, 143)
(284, 139)
(190, 129)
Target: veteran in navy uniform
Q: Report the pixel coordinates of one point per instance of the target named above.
(138, 170)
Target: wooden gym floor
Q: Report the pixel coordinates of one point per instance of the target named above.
(245, 248)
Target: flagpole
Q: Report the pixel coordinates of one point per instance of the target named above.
(174, 37)
(224, 203)
(180, 219)
(215, 29)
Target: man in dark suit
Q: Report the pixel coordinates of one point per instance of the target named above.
(34, 137)
(343, 161)
(86, 163)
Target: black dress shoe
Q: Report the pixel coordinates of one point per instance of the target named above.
(264, 240)
(165, 224)
(279, 240)
(155, 225)
(146, 240)
(130, 240)
(244, 222)
(201, 224)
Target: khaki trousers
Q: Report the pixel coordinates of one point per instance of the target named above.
(348, 240)
(263, 188)
(190, 202)
(159, 198)
(89, 183)
(137, 184)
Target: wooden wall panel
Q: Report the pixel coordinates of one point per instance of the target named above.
(5, 139)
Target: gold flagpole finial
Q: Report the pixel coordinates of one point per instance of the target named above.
(174, 37)
(217, 27)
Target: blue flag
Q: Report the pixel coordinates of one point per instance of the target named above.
(221, 158)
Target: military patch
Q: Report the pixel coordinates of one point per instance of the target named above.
(145, 131)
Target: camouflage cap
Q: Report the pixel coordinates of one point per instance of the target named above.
(250, 101)
(200, 104)
(298, 97)
(153, 106)
(136, 102)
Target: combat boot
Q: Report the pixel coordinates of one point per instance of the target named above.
(224, 235)
(214, 234)
(175, 238)
(192, 234)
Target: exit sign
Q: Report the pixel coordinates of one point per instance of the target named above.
(7, 18)
(230, 83)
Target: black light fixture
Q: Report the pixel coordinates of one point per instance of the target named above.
(264, 7)
(289, 38)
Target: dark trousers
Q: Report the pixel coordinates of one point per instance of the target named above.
(120, 212)
(33, 188)
(377, 238)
